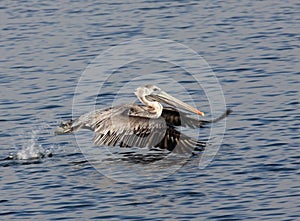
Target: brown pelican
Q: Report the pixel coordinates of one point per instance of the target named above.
(148, 125)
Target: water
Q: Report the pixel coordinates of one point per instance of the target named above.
(253, 48)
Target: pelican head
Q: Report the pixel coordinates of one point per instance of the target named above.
(154, 108)
(152, 93)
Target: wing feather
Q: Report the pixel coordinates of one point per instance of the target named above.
(178, 142)
(115, 127)
(128, 131)
(175, 117)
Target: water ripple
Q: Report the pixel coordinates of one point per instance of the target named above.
(252, 48)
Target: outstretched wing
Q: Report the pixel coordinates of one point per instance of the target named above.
(120, 129)
(178, 142)
(175, 117)
(130, 131)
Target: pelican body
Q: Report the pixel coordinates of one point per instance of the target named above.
(148, 125)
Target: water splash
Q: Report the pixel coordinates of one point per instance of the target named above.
(31, 150)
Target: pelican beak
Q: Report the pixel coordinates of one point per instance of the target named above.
(168, 99)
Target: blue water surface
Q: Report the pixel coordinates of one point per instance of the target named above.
(253, 49)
